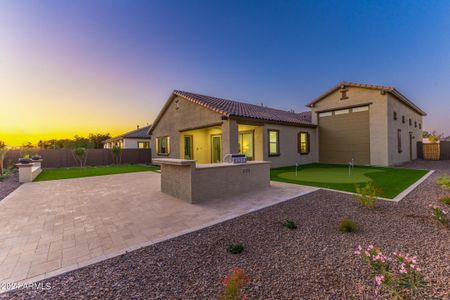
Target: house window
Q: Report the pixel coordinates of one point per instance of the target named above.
(399, 141)
(341, 112)
(360, 109)
(303, 143)
(403, 119)
(143, 145)
(325, 114)
(163, 145)
(395, 115)
(410, 122)
(246, 144)
(420, 126)
(274, 142)
(415, 124)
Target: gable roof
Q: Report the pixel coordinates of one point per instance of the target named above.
(388, 89)
(140, 133)
(232, 108)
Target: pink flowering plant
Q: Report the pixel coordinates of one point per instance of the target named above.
(440, 214)
(398, 275)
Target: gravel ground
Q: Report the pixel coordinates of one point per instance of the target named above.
(9, 184)
(315, 261)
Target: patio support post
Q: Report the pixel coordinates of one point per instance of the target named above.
(230, 137)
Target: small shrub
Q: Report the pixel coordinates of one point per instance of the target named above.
(399, 276)
(444, 181)
(235, 248)
(3, 151)
(290, 224)
(367, 195)
(439, 214)
(445, 200)
(347, 225)
(234, 282)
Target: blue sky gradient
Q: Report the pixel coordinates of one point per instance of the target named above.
(125, 57)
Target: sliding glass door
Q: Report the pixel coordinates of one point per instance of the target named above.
(246, 144)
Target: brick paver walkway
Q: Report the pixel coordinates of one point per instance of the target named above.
(48, 228)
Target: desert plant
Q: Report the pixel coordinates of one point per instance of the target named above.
(439, 214)
(444, 181)
(117, 154)
(3, 151)
(367, 195)
(290, 224)
(347, 225)
(80, 155)
(234, 283)
(398, 275)
(445, 200)
(235, 248)
(25, 159)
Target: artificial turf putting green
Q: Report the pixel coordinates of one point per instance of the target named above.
(392, 181)
(65, 173)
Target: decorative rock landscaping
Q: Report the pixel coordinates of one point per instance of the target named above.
(315, 261)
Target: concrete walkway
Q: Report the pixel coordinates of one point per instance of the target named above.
(48, 228)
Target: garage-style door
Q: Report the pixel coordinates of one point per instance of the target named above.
(344, 135)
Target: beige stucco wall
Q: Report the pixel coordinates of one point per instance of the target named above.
(289, 154)
(180, 116)
(223, 180)
(197, 183)
(378, 118)
(402, 110)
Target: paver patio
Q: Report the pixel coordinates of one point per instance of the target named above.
(48, 228)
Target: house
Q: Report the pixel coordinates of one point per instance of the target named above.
(368, 124)
(135, 139)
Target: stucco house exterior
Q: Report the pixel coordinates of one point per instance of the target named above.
(368, 124)
(135, 139)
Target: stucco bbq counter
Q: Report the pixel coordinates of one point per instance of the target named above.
(194, 183)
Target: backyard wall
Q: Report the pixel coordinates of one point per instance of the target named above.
(61, 158)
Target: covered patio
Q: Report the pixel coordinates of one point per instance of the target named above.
(209, 144)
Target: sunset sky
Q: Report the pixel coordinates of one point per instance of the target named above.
(74, 67)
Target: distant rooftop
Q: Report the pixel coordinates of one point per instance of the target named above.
(139, 133)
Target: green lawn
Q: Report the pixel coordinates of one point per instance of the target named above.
(392, 181)
(65, 173)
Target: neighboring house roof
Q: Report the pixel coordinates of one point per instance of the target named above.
(388, 89)
(140, 133)
(232, 108)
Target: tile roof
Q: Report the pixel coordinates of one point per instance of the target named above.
(389, 89)
(246, 110)
(141, 133)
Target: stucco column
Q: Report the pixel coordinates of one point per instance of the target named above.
(229, 137)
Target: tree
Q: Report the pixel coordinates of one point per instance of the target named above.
(433, 137)
(80, 155)
(3, 151)
(98, 138)
(27, 145)
(117, 154)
